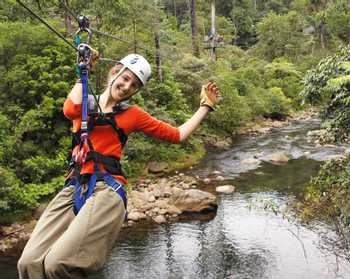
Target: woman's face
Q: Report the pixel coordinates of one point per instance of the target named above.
(125, 86)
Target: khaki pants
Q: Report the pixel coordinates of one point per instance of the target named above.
(63, 245)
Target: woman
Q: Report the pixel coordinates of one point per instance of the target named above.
(77, 230)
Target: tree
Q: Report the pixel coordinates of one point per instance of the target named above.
(281, 35)
(195, 48)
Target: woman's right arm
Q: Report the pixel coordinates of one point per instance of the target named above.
(72, 105)
(75, 93)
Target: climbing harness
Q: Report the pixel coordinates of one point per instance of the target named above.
(83, 150)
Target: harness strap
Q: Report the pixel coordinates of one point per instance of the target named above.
(81, 195)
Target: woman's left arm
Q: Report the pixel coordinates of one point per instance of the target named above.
(191, 124)
(209, 96)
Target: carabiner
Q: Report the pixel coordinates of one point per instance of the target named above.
(84, 25)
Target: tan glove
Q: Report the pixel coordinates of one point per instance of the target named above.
(209, 95)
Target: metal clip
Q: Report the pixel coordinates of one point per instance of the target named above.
(84, 54)
(84, 25)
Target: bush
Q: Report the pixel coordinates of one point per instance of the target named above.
(328, 193)
(283, 74)
(277, 104)
(329, 84)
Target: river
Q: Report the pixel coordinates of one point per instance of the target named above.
(254, 233)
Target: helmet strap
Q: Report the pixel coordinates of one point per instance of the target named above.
(114, 79)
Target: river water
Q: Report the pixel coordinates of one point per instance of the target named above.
(254, 233)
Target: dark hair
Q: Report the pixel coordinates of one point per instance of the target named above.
(115, 69)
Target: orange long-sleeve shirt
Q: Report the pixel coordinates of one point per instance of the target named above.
(106, 141)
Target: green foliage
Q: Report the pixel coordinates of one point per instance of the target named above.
(35, 74)
(277, 104)
(328, 193)
(281, 35)
(338, 18)
(283, 74)
(328, 84)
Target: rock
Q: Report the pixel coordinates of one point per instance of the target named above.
(219, 178)
(161, 203)
(313, 133)
(159, 219)
(216, 172)
(329, 145)
(278, 158)
(335, 157)
(130, 223)
(263, 130)
(173, 210)
(157, 167)
(162, 211)
(136, 216)
(175, 190)
(250, 161)
(139, 200)
(193, 200)
(278, 124)
(206, 180)
(225, 189)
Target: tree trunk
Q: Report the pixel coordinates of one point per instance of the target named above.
(134, 34)
(195, 48)
(67, 18)
(157, 44)
(322, 30)
(157, 57)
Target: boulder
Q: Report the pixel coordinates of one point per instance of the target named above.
(219, 178)
(250, 161)
(159, 219)
(157, 167)
(135, 216)
(139, 200)
(278, 158)
(225, 189)
(206, 180)
(162, 189)
(193, 200)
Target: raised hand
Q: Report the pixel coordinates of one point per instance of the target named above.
(209, 95)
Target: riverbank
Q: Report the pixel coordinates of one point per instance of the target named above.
(160, 199)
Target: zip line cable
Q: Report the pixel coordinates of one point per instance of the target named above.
(153, 53)
(103, 33)
(58, 33)
(47, 25)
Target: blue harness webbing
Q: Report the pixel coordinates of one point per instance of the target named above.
(81, 195)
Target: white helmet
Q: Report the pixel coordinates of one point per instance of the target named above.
(138, 65)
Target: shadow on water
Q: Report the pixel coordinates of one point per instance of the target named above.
(287, 179)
